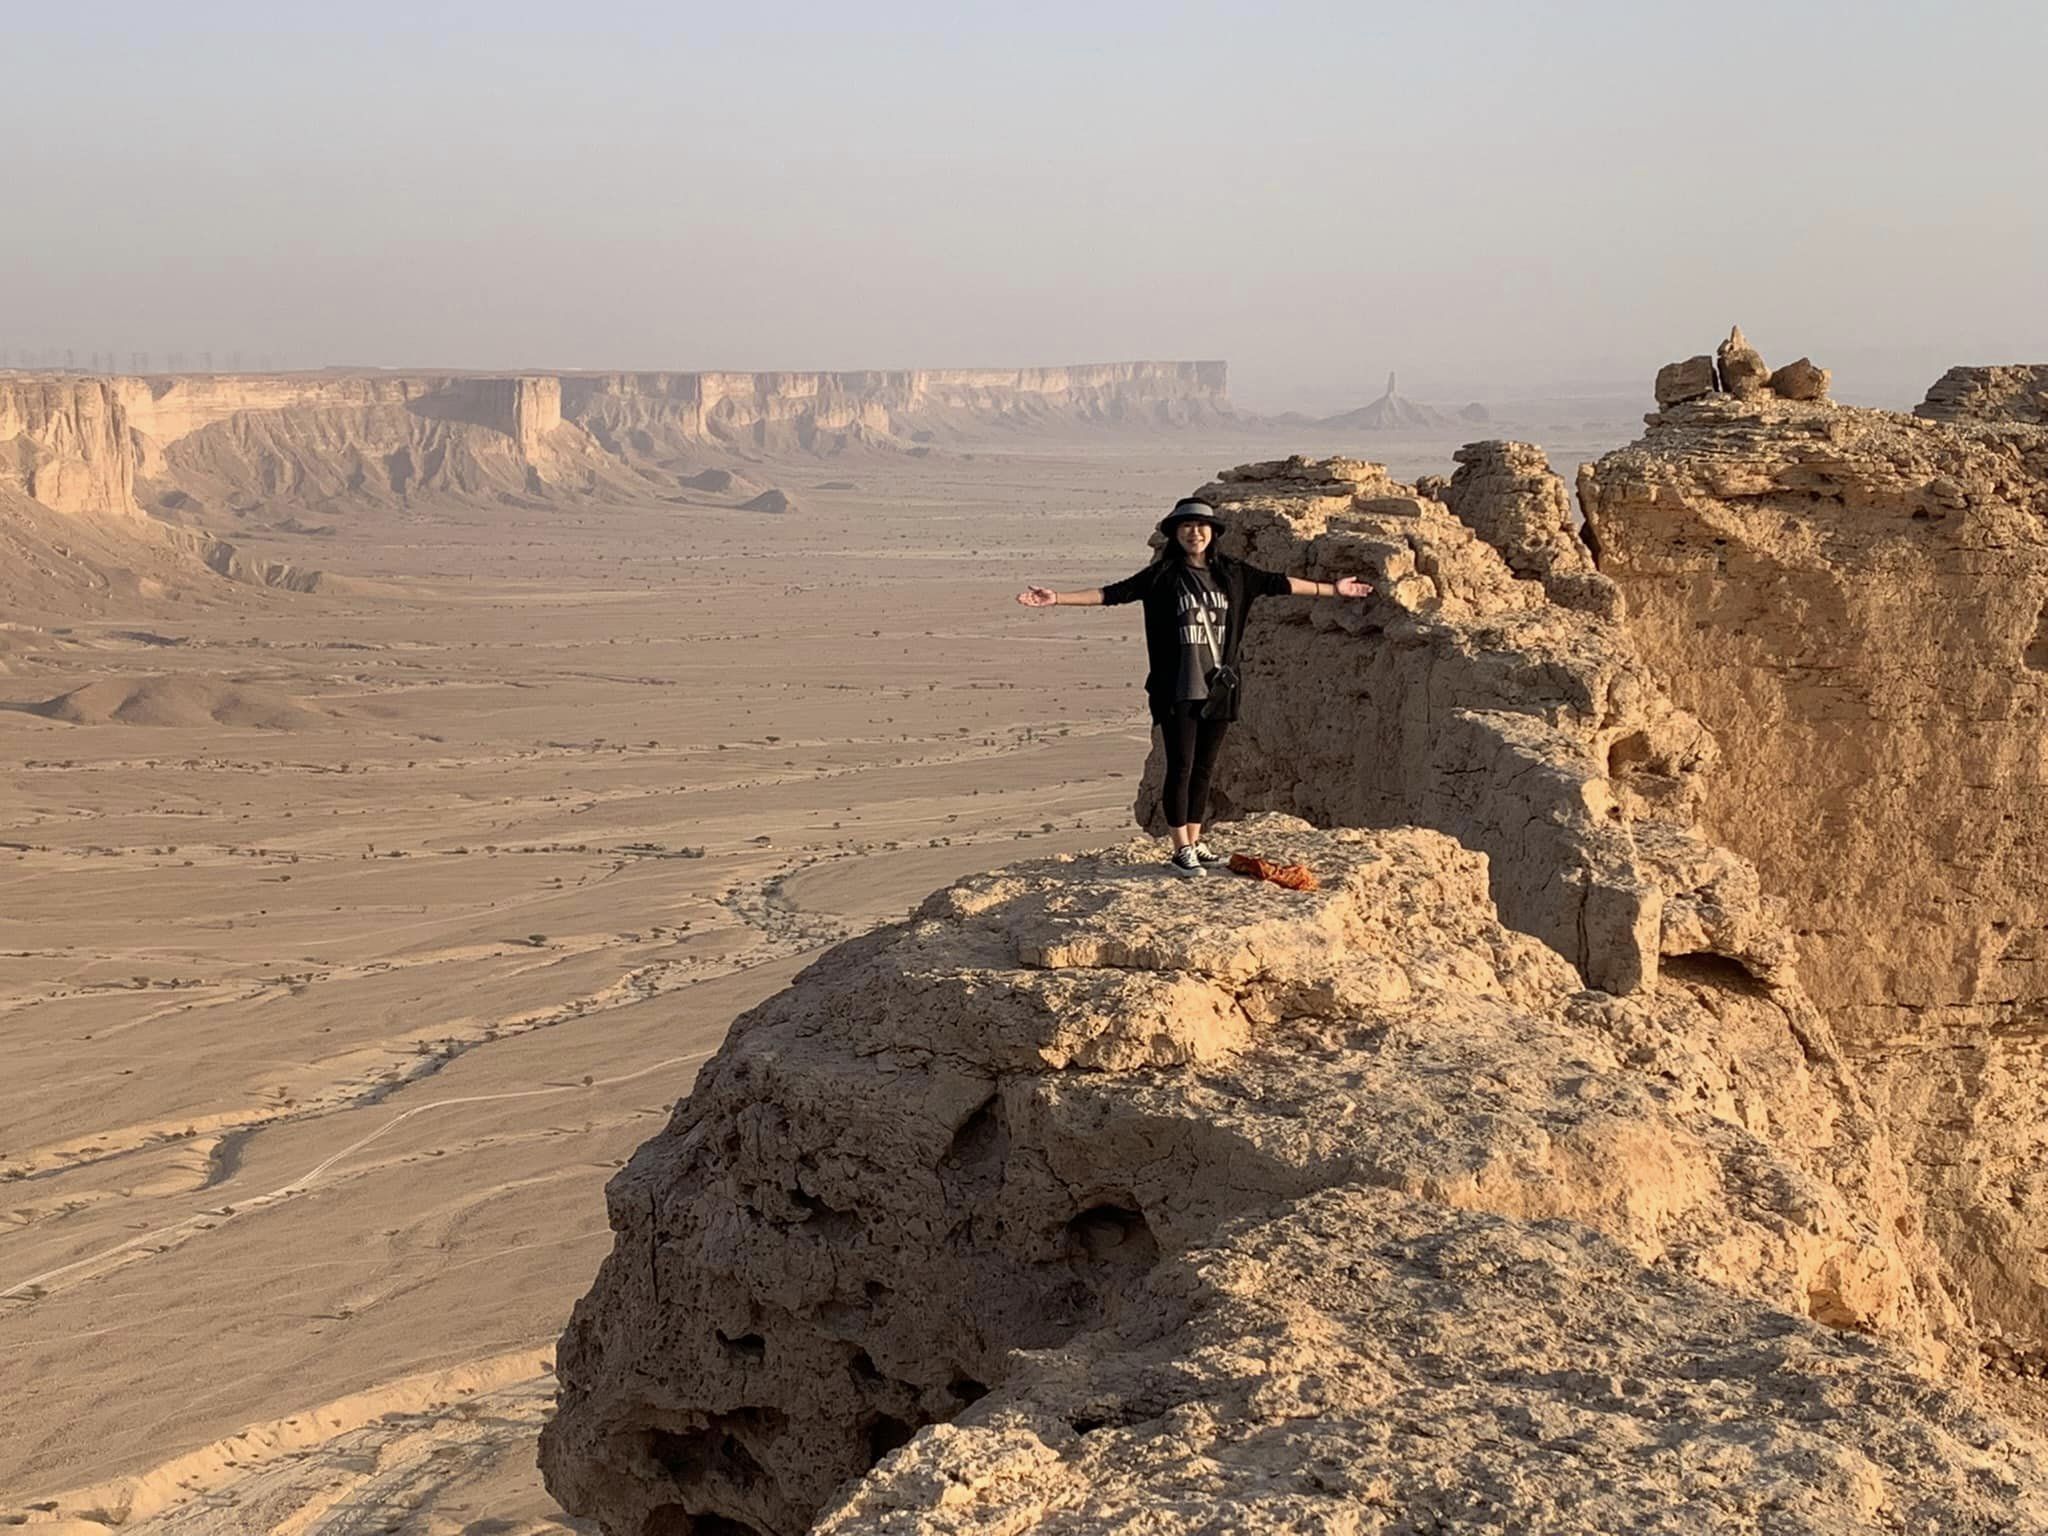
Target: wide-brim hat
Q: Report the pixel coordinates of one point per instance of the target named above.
(1191, 512)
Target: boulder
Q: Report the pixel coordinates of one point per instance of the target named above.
(1680, 382)
(1801, 381)
(1507, 494)
(1742, 368)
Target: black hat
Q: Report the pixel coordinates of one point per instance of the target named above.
(1189, 510)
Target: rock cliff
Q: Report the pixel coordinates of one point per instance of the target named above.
(330, 440)
(1855, 603)
(1516, 1179)
(1464, 697)
(65, 444)
(1314, 1208)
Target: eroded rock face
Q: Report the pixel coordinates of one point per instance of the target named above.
(1506, 493)
(1363, 1361)
(331, 440)
(2016, 393)
(64, 444)
(1462, 697)
(1295, 1203)
(1855, 603)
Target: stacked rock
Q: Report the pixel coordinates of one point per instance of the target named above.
(1738, 369)
(1742, 368)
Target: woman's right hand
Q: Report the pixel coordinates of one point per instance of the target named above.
(1037, 597)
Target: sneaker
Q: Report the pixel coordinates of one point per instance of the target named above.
(1207, 854)
(1185, 862)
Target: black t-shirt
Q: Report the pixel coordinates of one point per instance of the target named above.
(1155, 587)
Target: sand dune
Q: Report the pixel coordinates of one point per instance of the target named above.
(720, 482)
(177, 701)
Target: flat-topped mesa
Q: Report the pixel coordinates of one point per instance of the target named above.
(329, 440)
(2015, 393)
(1463, 697)
(1115, 1173)
(638, 414)
(1855, 603)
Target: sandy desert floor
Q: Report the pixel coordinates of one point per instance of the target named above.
(349, 943)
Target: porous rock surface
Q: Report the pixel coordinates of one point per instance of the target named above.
(2017, 392)
(1464, 697)
(1855, 603)
(1366, 1362)
(1168, 1200)
(1506, 493)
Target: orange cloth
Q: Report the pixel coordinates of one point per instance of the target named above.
(1296, 877)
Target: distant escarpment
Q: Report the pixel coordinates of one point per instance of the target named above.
(65, 444)
(185, 445)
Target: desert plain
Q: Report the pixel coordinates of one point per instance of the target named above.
(351, 939)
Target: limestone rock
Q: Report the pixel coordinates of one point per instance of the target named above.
(1085, 1192)
(1801, 381)
(1742, 368)
(321, 441)
(1679, 382)
(1363, 1361)
(1506, 493)
(1855, 603)
(2018, 393)
(1465, 699)
(64, 444)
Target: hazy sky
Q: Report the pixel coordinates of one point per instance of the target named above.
(1491, 198)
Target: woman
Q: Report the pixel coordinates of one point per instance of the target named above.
(1196, 599)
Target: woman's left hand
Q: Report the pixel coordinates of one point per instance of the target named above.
(1351, 586)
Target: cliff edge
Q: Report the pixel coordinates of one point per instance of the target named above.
(1855, 604)
(1325, 1209)
(1518, 1178)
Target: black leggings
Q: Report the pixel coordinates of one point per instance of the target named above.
(1191, 747)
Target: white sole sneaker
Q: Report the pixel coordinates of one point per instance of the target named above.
(1188, 870)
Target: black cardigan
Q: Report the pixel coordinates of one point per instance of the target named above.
(1241, 585)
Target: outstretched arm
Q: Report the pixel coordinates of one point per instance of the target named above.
(1045, 597)
(1343, 586)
